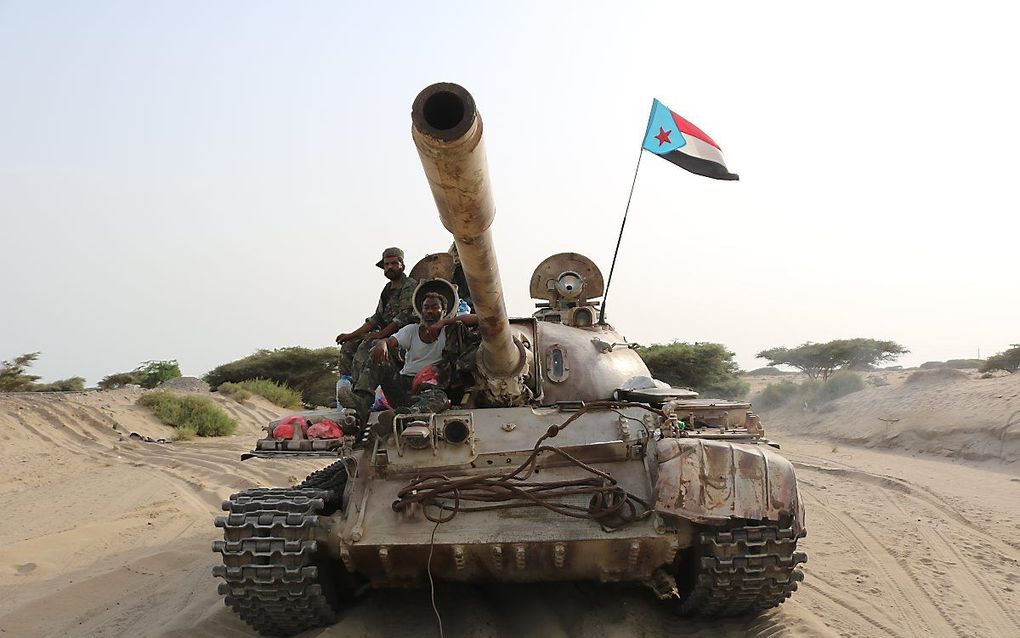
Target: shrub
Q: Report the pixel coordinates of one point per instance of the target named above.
(74, 384)
(13, 378)
(277, 393)
(184, 433)
(735, 388)
(700, 366)
(156, 372)
(878, 382)
(935, 375)
(12, 373)
(234, 391)
(775, 394)
(119, 380)
(312, 373)
(1008, 360)
(192, 413)
(811, 391)
(148, 374)
(839, 385)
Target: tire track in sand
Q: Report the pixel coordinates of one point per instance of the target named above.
(922, 617)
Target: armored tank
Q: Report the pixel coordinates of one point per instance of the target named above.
(564, 460)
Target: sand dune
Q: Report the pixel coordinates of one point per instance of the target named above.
(950, 413)
(105, 535)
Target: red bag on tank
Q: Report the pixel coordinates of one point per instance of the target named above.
(325, 429)
(285, 428)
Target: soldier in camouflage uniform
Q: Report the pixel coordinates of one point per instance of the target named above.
(434, 341)
(394, 310)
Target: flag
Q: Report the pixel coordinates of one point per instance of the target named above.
(673, 138)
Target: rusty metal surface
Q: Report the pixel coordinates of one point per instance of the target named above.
(551, 268)
(593, 375)
(453, 155)
(711, 481)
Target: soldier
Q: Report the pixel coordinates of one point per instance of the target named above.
(426, 344)
(394, 310)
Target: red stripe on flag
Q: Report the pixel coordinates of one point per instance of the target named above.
(689, 129)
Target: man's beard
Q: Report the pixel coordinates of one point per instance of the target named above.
(430, 323)
(393, 275)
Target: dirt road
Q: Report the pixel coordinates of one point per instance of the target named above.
(106, 535)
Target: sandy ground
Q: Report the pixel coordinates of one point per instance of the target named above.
(105, 535)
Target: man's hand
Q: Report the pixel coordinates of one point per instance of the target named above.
(380, 351)
(344, 337)
(431, 333)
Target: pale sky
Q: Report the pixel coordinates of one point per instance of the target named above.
(196, 180)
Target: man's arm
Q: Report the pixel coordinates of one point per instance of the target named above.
(344, 337)
(381, 349)
(434, 330)
(390, 328)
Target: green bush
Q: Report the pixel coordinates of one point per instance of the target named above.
(735, 388)
(700, 366)
(119, 380)
(148, 374)
(156, 372)
(13, 377)
(1008, 360)
(74, 384)
(312, 373)
(775, 395)
(234, 391)
(810, 392)
(12, 373)
(184, 433)
(277, 393)
(197, 414)
(840, 384)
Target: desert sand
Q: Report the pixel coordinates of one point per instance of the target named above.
(105, 534)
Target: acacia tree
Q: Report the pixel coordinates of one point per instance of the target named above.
(1008, 360)
(822, 359)
(12, 373)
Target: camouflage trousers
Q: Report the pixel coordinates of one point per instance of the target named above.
(398, 394)
(368, 375)
(355, 356)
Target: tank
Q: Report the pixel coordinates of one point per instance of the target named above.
(564, 461)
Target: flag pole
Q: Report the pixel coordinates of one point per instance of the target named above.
(602, 310)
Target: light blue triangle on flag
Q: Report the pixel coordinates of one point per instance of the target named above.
(663, 135)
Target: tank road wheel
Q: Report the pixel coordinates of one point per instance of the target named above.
(738, 570)
(277, 575)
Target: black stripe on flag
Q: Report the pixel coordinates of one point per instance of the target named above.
(699, 166)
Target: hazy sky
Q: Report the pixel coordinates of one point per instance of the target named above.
(196, 180)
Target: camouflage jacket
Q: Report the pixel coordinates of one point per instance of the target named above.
(395, 304)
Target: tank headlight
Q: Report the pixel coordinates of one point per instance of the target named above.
(456, 431)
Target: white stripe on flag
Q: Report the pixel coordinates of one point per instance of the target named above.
(701, 149)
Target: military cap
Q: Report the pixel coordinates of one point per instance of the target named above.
(390, 252)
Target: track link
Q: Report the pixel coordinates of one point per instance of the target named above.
(277, 576)
(740, 570)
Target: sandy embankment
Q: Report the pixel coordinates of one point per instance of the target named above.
(108, 536)
(950, 413)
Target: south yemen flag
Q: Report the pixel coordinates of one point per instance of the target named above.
(672, 137)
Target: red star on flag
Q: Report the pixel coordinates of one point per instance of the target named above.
(663, 136)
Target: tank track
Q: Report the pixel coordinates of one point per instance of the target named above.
(277, 576)
(740, 570)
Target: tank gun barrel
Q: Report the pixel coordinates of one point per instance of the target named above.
(447, 130)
